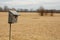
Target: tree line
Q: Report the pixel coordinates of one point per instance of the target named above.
(6, 9)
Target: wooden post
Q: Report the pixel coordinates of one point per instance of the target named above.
(10, 32)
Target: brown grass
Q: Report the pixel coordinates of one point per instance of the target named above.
(31, 26)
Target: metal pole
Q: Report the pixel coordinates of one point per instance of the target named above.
(10, 32)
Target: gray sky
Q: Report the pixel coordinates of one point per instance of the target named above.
(31, 4)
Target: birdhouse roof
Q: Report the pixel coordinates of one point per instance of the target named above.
(13, 12)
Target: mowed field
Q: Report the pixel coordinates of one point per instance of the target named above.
(31, 26)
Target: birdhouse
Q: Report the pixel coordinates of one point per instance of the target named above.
(12, 17)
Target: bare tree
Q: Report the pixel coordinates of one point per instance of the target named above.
(41, 10)
(21, 10)
(6, 8)
(26, 10)
(13, 9)
(1, 9)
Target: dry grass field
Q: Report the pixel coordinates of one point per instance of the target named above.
(31, 26)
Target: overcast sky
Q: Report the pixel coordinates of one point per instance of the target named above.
(31, 4)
